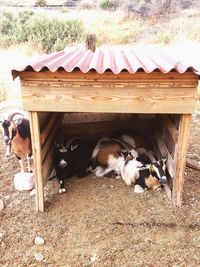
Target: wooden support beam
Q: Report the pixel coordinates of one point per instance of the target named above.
(36, 146)
(184, 129)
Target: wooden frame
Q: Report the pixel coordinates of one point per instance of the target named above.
(138, 93)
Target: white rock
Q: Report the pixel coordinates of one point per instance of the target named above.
(24, 181)
(138, 189)
(1, 205)
(39, 256)
(39, 241)
(93, 258)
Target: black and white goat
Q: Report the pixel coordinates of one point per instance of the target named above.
(153, 174)
(72, 159)
(17, 137)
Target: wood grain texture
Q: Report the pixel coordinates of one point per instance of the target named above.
(36, 146)
(51, 122)
(94, 76)
(120, 100)
(47, 165)
(164, 151)
(184, 129)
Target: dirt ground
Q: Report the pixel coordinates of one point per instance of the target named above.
(100, 221)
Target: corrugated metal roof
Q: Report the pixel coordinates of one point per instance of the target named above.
(117, 59)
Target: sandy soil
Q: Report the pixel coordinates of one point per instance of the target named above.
(100, 222)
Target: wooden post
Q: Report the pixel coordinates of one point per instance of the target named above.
(36, 147)
(91, 42)
(184, 129)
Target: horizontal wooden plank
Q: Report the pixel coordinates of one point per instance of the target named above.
(78, 75)
(107, 127)
(119, 100)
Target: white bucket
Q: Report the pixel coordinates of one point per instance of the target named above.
(24, 181)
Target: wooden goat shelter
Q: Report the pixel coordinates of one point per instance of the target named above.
(97, 92)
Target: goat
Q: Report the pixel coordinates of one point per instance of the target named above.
(113, 155)
(153, 175)
(17, 137)
(72, 159)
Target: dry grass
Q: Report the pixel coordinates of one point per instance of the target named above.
(113, 28)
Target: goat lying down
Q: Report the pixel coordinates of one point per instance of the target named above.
(17, 137)
(114, 156)
(153, 173)
(119, 156)
(72, 159)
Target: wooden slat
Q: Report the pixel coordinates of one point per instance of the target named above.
(47, 166)
(164, 151)
(78, 75)
(99, 128)
(184, 129)
(171, 128)
(120, 100)
(48, 127)
(36, 146)
(49, 141)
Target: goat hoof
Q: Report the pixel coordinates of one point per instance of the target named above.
(138, 189)
(62, 190)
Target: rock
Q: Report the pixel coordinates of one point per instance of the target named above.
(2, 233)
(1, 205)
(93, 258)
(39, 241)
(39, 257)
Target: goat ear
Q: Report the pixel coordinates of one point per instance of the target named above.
(73, 147)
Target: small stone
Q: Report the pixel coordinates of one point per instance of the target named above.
(93, 258)
(2, 233)
(39, 241)
(39, 257)
(1, 205)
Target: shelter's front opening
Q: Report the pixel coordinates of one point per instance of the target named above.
(161, 130)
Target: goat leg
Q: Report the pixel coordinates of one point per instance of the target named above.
(21, 163)
(62, 186)
(30, 161)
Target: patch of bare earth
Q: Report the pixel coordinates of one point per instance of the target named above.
(100, 222)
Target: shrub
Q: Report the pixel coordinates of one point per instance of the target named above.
(109, 4)
(9, 29)
(40, 3)
(8, 23)
(52, 34)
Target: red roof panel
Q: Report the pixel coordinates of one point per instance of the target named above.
(117, 59)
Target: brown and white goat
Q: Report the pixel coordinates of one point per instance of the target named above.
(16, 133)
(114, 156)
